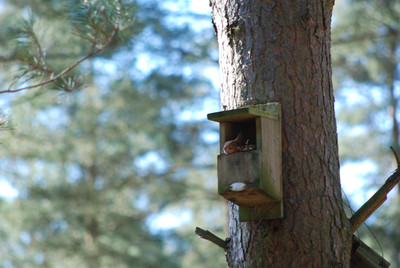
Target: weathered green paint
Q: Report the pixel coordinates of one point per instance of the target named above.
(270, 110)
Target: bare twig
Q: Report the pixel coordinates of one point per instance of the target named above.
(212, 238)
(396, 156)
(361, 215)
(67, 70)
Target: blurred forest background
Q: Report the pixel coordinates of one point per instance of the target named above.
(113, 164)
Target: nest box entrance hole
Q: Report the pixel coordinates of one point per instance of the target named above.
(230, 130)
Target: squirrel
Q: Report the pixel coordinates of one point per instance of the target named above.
(234, 146)
(238, 145)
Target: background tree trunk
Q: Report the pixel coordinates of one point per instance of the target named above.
(279, 51)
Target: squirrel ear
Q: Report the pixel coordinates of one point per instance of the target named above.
(239, 137)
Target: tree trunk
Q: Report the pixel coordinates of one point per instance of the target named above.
(279, 51)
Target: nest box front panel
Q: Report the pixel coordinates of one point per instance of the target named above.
(241, 169)
(271, 156)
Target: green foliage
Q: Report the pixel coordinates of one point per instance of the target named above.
(365, 52)
(95, 166)
(99, 22)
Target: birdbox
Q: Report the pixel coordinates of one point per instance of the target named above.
(251, 176)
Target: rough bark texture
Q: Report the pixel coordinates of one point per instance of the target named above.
(279, 51)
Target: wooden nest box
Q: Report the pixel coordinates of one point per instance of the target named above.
(252, 177)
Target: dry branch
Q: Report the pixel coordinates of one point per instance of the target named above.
(212, 238)
(362, 214)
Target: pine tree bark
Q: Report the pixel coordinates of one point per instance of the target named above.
(279, 51)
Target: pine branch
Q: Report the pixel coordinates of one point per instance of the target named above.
(212, 238)
(70, 68)
(13, 57)
(361, 215)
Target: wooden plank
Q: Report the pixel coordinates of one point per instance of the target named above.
(364, 257)
(225, 132)
(270, 110)
(238, 167)
(271, 140)
(243, 167)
